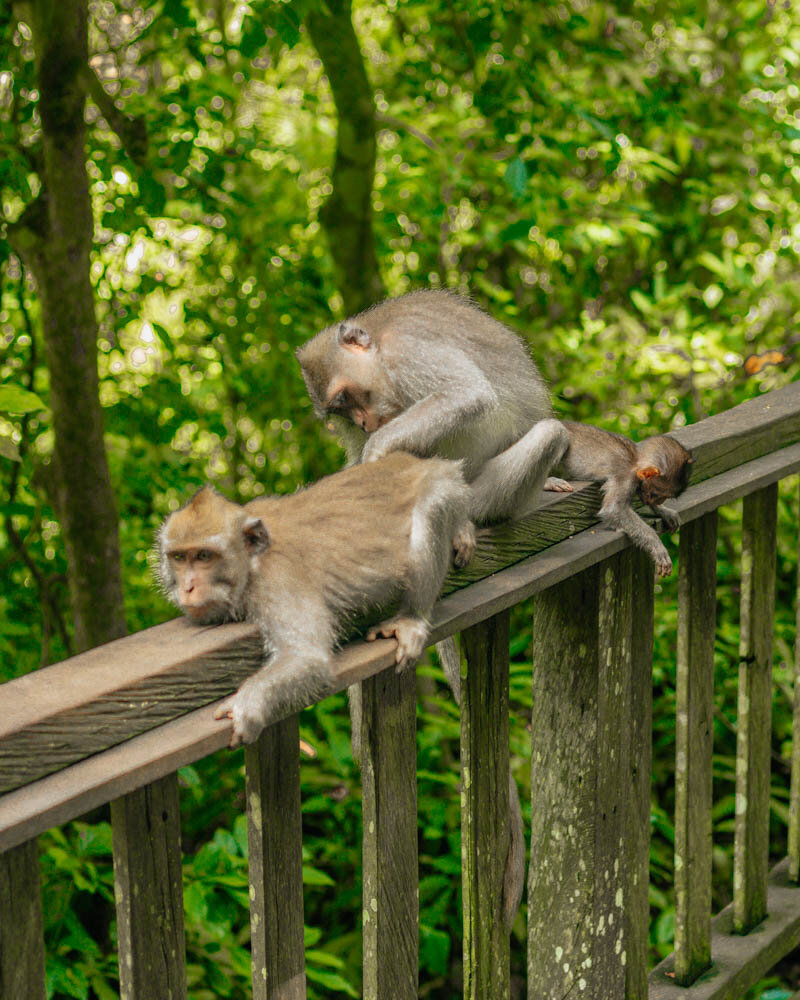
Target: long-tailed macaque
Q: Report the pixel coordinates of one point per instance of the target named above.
(301, 566)
(654, 469)
(432, 374)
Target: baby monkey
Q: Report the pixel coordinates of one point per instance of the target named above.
(654, 469)
(301, 566)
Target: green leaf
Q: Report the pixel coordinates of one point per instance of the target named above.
(516, 177)
(313, 876)
(254, 38)
(15, 399)
(331, 980)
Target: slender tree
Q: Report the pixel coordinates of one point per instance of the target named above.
(347, 214)
(54, 238)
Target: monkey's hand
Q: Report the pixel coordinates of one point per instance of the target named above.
(671, 520)
(376, 447)
(555, 485)
(662, 560)
(411, 634)
(464, 542)
(244, 710)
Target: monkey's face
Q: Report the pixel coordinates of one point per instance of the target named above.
(205, 551)
(656, 489)
(355, 403)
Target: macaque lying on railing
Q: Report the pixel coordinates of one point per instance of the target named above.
(302, 566)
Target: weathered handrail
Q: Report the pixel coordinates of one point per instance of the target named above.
(117, 722)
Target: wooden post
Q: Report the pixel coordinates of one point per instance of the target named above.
(484, 807)
(582, 875)
(391, 870)
(21, 936)
(694, 733)
(794, 788)
(149, 892)
(637, 912)
(754, 735)
(275, 851)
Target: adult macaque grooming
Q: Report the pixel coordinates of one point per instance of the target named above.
(655, 469)
(432, 374)
(300, 566)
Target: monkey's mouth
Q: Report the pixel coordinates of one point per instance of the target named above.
(206, 614)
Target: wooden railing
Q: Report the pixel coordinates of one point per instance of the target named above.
(114, 724)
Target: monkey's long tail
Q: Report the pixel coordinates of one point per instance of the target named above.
(514, 876)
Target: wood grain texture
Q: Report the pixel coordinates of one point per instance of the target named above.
(694, 732)
(794, 785)
(148, 887)
(64, 713)
(21, 934)
(754, 428)
(581, 877)
(754, 732)
(485, 829)
(740, 961)
(637, 912)
(390, 864)
(275, 853)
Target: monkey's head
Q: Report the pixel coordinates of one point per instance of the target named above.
(205, 551)
(345, 376)
(663, 469)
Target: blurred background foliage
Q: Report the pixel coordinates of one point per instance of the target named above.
(617, 182)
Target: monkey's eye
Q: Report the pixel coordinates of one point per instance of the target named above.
(178, 556)
(204, 555)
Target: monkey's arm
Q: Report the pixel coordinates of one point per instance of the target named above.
(466, 396)
(285, 684)
(617, 512)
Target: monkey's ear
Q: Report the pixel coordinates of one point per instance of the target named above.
(647, 472)
(354, 338)
(256, 536)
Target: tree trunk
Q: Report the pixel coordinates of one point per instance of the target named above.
(54, 237)
(347, 214)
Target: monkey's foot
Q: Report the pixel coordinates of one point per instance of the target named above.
(464, 542)
(411, 635)
(247, 723)
(662, 561)
(555, 485)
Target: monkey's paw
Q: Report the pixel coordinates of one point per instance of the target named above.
(411, 635)
(464, 542)
(662, 561)
(555, 485)
(247, 722)
(372, 451)
(671, 520)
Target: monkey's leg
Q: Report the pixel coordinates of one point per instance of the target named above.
(620, 515)
(508, 484)
(464, 542)
(514, 876)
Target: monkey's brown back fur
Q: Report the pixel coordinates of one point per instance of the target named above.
(349, 531)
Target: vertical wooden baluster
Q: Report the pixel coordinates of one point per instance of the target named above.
(21, 936)
(694, 732)
(794, 790)
(275, 851)
(391, 869)
(751, 839)
(637, 912)
(582, 877)
(484, 807)
(149, 892)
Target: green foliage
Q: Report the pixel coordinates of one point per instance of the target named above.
(619, 182)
